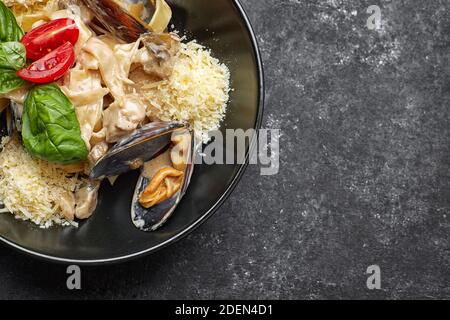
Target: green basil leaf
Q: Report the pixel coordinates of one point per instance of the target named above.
(9, 29)
(12, 55)
(50, 128)
(9, 81)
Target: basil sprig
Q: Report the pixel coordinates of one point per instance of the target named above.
(9, 81)
(9, 28)
(12, 55)
(50, 128)
(12, 52)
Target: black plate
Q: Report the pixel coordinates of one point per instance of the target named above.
(109, 235)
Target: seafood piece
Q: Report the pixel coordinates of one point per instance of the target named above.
(67, 205)
(159, 46)
(163, 186)
(117, 20)
(122, 117)
(157, 53)
(132, 152)
(97, 151)
(86, 200)
(128, 26)
(160, 189)
(180, 152)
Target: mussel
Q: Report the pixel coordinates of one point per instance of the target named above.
(145, 214)
(117, 20)
(160, 45)
(169, 140)
(122, 24)
(133, 151)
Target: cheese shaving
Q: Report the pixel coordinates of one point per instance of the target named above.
(30, 188)
(197, 92)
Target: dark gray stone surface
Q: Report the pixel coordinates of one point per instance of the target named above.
(364, 173)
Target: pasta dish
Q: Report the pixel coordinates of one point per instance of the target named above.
(90, 90)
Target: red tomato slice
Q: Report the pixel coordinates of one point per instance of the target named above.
(50, 67)
(48, 37)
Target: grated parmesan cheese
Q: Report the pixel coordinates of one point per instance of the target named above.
(197, 91)
(30, 188)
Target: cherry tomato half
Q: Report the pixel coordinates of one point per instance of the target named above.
(46, 38)
(50, 67)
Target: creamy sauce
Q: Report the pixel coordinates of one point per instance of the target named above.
(153, 166)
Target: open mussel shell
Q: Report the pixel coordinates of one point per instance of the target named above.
(153, 218)
(133, 151)
(117, 20)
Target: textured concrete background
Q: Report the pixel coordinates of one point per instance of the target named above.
(364, 177)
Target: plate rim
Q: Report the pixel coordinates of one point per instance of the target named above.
(205, 216)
